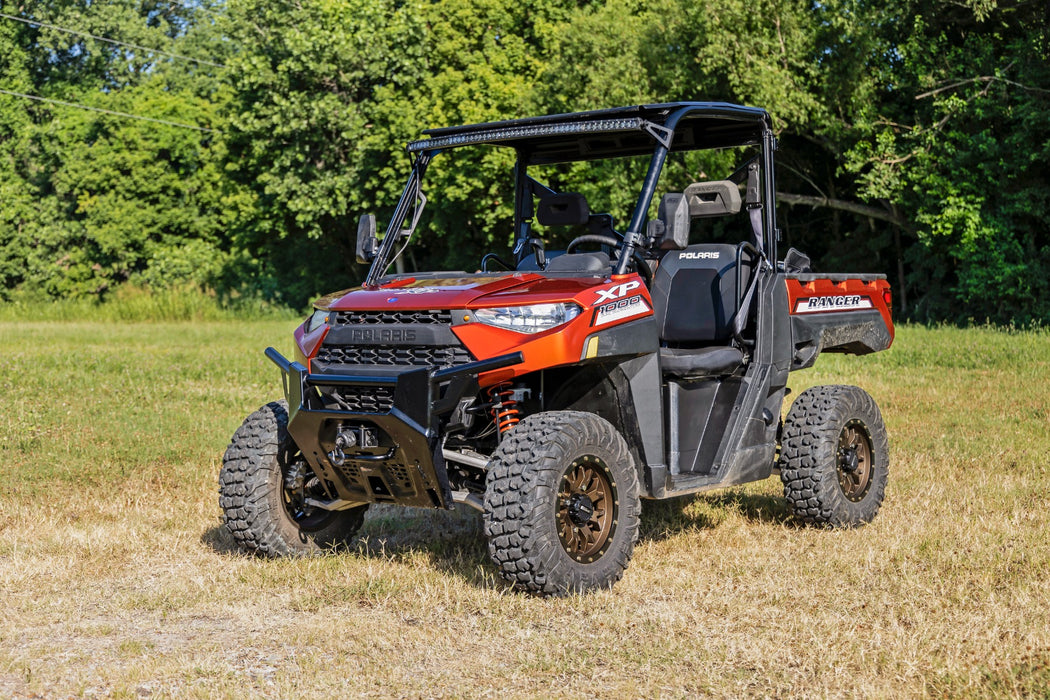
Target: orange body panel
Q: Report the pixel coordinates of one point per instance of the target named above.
(827, 296)
(307, 344)
(562, 345)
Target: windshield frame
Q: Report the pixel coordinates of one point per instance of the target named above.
(595, 135)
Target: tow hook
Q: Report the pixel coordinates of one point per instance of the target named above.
(348, 439)
(345, 440)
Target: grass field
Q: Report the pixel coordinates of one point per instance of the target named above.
(118, 581)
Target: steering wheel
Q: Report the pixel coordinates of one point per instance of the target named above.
(592, 238)
(492, 256)
(639, 262)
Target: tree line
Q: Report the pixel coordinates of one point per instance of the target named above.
(231, 145)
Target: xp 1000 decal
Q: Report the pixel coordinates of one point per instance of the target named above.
(619, 310)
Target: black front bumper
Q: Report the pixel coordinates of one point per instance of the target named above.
(405, 465)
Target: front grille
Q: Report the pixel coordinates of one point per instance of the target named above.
(420, 355)
(436, 317)
(365, 399)
(391, 338)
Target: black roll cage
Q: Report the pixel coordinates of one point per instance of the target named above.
(657, 129)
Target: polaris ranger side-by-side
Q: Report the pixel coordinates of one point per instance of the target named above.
(593, 366)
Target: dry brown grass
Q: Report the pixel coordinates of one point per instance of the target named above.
(117, 580)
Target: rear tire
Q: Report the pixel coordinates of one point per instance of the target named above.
(263, 511)
(561, 504)
(834, 457)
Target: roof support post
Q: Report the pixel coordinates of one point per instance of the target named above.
(769, 146)
(634, 234)
(522, 204)
(393, 230)
(664, 136)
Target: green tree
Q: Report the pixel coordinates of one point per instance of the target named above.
(326, 95)
(19, 211)
(914, 133)
(959, 142)
(95, 199)
(309, 129)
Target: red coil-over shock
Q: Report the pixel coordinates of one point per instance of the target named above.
(504, 409)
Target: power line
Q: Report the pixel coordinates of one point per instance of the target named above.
(105, 111)
(110, 41)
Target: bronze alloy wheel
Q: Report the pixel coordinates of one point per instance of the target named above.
(854, 460)
(834, 456)
(587, 508)
(561, 503)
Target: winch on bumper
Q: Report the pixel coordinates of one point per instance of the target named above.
(382, 457)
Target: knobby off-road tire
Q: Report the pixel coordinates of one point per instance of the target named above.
(261, 513)
(834, 457)
(562, 504)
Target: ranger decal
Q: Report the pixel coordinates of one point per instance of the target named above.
(848, 302)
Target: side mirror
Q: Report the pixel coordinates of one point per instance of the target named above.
(674, 215)
(366, 238)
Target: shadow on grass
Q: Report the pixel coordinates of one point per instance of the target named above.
(667, 518)
(220, 540)
(454, 541)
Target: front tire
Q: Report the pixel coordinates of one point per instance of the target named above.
(834, 457)
(262, 487)
(562, 504)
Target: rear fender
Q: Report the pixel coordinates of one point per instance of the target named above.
(838, 313)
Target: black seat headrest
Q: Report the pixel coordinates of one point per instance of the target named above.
(563, 209)
(713, 198)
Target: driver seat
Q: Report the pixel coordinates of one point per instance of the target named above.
(563, 209)
(696, 304)
(567, 209)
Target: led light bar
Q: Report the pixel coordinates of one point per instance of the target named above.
(520, 132)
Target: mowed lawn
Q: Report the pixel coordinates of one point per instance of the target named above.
(118, 581)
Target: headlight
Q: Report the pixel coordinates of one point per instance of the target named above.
(317, 319)
(528, 319)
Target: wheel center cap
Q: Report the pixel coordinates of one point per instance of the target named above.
(581, 508)
(850, 461)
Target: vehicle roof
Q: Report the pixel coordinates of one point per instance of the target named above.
(605, 133)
